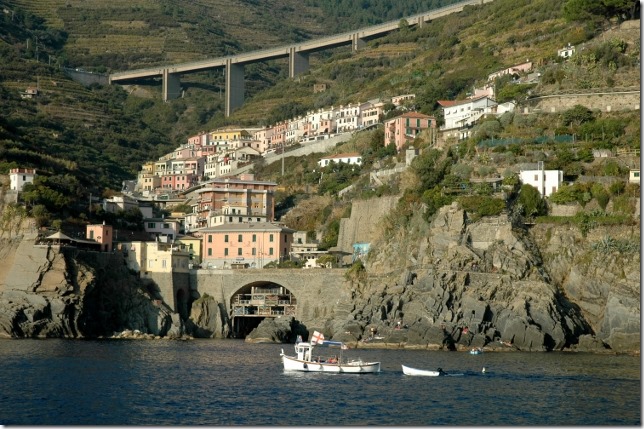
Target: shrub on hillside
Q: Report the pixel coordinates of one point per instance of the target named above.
(481, 206)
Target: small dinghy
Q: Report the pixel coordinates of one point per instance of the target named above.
(407, 370)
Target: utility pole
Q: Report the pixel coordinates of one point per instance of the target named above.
(282, 158)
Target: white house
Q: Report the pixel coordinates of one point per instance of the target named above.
(18, 177)
(347, 158)
(347, 118)
(566, 52)
(162, 228)
(634, 176)
(460, 113)
(547, 182)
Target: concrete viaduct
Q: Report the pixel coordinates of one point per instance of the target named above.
(297, 54)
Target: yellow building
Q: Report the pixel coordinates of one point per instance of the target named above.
(230, 134)
(156, 257)
(192, 245)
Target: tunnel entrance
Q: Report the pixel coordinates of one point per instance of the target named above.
(257, 301)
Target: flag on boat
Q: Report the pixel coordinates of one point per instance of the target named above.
(317, 338)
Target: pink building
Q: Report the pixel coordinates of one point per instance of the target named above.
(178, 182)
(234, 200)
(406, 127)
(102, 234)
(250, 244)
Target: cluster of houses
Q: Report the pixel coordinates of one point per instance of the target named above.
(228, 220)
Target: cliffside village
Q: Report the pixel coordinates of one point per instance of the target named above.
(232, 221)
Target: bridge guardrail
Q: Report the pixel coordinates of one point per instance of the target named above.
(375, 29)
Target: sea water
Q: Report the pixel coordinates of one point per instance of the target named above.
(230, 382)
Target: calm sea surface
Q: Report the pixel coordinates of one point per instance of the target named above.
(229, 382)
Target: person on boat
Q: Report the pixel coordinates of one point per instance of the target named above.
(440, 371)
(334, 359)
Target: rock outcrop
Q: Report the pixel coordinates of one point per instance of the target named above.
(455, 284)
(58, 292)
(208, 318)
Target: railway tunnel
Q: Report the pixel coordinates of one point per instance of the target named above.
(256, 301)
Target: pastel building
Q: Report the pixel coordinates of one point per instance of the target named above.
(102, 234)
(232, 200)
(162, 228)
(147, 257)
(399, 100)
(19, 177)
(192, 245)
(252, 245)
(405, 128)
(370, 112)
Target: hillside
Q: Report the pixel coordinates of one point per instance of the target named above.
(86, 140)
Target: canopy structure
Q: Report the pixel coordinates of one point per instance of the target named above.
(59, 237)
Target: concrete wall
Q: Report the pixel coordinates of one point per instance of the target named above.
(604, 101)
(362, 226)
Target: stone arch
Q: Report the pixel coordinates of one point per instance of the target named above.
(256, 301)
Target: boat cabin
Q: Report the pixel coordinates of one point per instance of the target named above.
(304, 351)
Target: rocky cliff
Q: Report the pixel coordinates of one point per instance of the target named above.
(56, 291)
(449, 284)
(456, 284)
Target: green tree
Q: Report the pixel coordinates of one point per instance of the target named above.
(600, 193)
(532, 201)
(577, 115)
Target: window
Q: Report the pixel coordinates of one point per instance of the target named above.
(254, 238)
(226, 238)
(239, 238)
(536, 177)
(239, 251)
(163, 263)
(254, 251)
(270, 251)
(636, 174)
(166, 225)
(209, 239)
(226, 252)
(209, 252)
(285, 239)
(270, 238)
(151, 224)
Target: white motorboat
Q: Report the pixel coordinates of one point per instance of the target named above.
(407, 370)
(476, 351)
(305, 361)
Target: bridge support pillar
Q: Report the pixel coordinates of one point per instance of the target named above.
(298, 62)
(357, 42)
(171, 86)
(234, 86)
